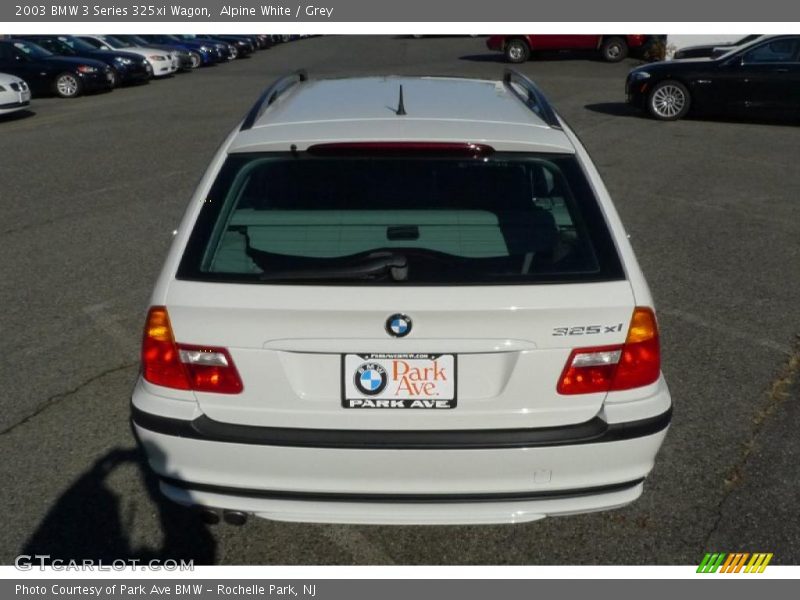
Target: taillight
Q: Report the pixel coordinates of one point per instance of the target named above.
(635, 363)
(640, 363)
(210, 369)
(184, 367)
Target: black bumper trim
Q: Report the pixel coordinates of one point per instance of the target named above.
(402, 498)
(594, 431)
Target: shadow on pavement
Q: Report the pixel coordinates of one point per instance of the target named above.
(538, 56)
(490, 57)
(86, 521)
(17, 116)
(615, 109)
(622, 109)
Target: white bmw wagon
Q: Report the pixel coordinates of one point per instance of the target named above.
(401, 300)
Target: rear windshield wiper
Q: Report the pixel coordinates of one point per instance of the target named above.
(372, 266)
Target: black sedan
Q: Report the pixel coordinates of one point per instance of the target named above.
(46, 73)
(126, 67)
(762, 76)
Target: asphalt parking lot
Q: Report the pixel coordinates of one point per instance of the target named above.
(91, 189)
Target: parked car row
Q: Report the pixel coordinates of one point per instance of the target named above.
(755, 74)
(70, 65)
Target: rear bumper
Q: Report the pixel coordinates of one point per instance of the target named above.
(369, 510)
(401, 477)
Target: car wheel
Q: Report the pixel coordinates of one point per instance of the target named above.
(114, 81)
(669, 101)
(196, 59)
(614, 49)
(67, 85)
(517, 51)
(234, 53)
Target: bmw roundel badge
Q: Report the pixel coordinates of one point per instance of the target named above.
(370, 379)
(398, 325)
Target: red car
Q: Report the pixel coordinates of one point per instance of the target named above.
(518, 48)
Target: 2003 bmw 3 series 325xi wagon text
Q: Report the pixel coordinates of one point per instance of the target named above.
(401, 300)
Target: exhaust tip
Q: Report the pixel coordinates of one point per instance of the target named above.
(209, 516)
(235, 517)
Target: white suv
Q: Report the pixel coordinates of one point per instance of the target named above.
(401, 300)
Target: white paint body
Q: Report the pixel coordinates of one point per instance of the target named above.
(15, 95)
(287, 342)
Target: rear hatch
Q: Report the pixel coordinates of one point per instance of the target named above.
(291, 350)
(443, 291)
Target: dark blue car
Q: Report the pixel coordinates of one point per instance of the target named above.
(206, 52)
(126, 67)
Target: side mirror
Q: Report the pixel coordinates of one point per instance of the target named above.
(734, 62)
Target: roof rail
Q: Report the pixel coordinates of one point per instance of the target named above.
(534, 99)
(270, 95)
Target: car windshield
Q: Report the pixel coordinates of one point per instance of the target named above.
(32, 50)
(746, 39)
(76, 44)
(511, 218)
(56, 46)
(115, 42)
(135, 40)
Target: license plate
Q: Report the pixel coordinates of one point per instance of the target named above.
(426, 381)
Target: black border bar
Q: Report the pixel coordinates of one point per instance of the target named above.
(594, 431)
(403, 498)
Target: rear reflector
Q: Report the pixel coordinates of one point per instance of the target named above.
(184, 367)
(635, 363)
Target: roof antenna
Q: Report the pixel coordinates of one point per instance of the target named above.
(401, 108)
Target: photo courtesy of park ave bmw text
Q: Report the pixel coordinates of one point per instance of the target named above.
(392, 285)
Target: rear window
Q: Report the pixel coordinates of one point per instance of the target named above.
(298, 219)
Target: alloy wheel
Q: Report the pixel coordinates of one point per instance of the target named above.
(67, 85)
(668, 101)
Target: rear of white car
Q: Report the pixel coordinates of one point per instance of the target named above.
(391, 308)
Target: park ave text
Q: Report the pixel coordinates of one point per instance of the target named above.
(164, 11)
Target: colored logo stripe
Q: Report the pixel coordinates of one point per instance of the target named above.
(711, 562)
(758, 563)
(734, 562)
